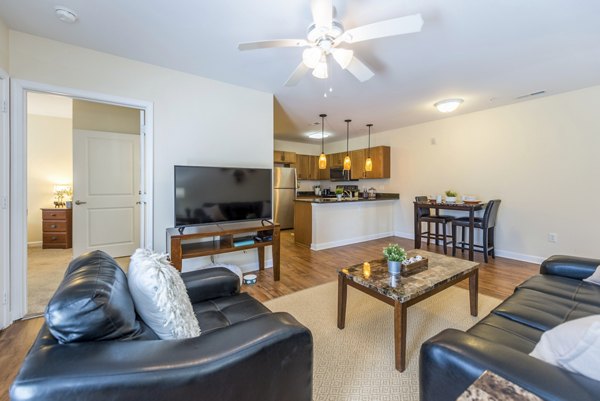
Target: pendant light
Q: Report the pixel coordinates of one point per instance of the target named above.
(322, 158)
(347, 162)
(369, 162)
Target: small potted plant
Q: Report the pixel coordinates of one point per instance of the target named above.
(395, 256)
(451, 196)
(338, 193)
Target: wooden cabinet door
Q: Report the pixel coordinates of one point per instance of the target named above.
(314, 168)
(278, 156)
(358, 157)
(289, 157)
(324, 174)
(380, 155)
(337, 159)
(303, 167)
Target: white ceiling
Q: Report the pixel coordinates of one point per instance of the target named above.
(486, 51)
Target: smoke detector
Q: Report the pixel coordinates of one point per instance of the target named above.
(65, 14)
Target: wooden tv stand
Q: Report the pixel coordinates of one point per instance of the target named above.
(224, 235)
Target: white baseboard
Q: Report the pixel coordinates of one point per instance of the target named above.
(251, 267)
(33, 244)
(499, 252)
(348, 241)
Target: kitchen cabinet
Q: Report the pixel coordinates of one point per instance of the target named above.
(307, 167)
(380, 157)
(280, 156)
(336, 159)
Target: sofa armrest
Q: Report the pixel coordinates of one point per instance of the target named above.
(266, 358)
(452, 360)
(569, 266)
(210, 283)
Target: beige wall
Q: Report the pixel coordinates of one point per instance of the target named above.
(539, 157)
(4, 41)
(49, 162)
(105, 117)
(298, 147)
(197, 121)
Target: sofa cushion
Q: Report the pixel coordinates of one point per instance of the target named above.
(160, 296)
(594, 278)
(565, 287)
(541, 310)
(92, 303)
(226, 311)
(501, 330)
(574, 345)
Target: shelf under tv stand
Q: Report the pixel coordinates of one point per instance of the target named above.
(224, 236)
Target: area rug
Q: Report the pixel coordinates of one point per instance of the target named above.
(357, 363)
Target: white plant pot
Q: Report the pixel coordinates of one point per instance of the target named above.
(450, 199)
(338, 196)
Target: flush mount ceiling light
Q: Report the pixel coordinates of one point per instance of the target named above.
(448, 105)
(317, 135)
(65, 14)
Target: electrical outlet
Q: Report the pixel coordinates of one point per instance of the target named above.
(552, 237)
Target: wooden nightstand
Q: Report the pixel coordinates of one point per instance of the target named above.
(57, 228)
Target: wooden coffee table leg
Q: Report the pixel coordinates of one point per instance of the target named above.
(474, 291)
(400, 335)
(342, 293)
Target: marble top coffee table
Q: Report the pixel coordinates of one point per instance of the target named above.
(402, 291)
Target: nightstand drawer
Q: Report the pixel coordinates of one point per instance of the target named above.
(54, 226)
(55, 239)
(56, 214)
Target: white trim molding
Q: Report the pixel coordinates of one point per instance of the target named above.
(5, 315)
(18, 176)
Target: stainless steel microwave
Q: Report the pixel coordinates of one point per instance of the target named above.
(339, 174)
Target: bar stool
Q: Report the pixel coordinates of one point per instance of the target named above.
(487, 223)
(424, 216)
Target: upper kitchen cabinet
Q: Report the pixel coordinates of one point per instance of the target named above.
(307, 167)
(336, 159)
(380, 156)
(280, 156)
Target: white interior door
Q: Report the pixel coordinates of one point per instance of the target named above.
(106, 192)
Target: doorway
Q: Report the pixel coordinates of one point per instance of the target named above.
(19, 192)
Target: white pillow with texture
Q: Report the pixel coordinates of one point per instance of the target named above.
(594, 278)
(160, 296)
(573, 345)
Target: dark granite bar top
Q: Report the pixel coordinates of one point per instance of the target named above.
(491, 387)
(379, 197)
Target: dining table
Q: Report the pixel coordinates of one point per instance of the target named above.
(470, 207)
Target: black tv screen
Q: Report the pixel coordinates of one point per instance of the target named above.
(205, 195)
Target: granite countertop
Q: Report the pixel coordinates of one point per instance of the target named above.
(441, 269)
(491, 387)
(379, 197)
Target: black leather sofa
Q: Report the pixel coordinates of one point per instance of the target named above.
(501, 342)
(245, 352)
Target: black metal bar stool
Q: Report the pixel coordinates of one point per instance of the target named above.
(487, 223)
(424, 216)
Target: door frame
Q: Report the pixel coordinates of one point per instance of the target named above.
(18, 177)
(4, 201)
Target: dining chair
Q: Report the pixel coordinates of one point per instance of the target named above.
(487, 223)
(424, 215)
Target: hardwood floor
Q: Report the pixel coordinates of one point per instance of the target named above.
(301, 268)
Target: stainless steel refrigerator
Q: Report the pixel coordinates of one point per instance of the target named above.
(284, 193)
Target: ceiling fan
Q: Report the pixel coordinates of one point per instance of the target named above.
(326, 34)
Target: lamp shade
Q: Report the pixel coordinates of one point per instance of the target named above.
(347, 163)
(322, 162)
(311, 57)
(368, 164)
(320, 70)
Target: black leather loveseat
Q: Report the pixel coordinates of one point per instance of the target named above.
(501, 342)
(245, 352)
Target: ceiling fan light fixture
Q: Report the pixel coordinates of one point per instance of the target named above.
(448, 105)
(311, 57)
(320, 70)
(343, 57)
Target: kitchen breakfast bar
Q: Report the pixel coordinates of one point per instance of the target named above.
(322, 223)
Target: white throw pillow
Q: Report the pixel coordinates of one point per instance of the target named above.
(160, 296)
(573, 345)
(594, 278)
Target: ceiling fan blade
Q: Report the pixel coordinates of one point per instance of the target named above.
(265, 44)
(297, 75)
(360, 70)
(391, 27)
(322, 11)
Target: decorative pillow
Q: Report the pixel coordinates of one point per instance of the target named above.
(92, 303)
(160, 296)
(594, 278)
(573, 345)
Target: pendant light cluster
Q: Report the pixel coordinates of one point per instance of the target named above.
(347, 160)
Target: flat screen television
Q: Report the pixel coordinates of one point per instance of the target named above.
(206, 195)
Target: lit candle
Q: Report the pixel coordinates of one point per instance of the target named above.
(367, 269)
